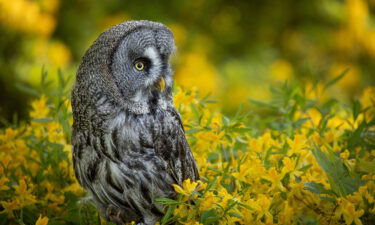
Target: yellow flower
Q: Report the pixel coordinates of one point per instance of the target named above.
(23, 193)
(250, 171)
(262, 143)
(58, 54)
(40, 108)
(350, 214)
(208, 201)
(368, 101)
(3, 186)
(5, 160)
(56, 199)
(185, 213)
(209, 140)
(345, 154)
(363, 190)
(357, 15)
(9, 207)
(188, 187)
(261, 206)
(50, 5)
(75, 188)
(287, 214)
(225, 197)
(296, 145)
(26, 16)
(216, 123)
(281, 70)
(315, 91)
(8, 135)
(315, 116)
(42, 220)
(197, 66)
(179, 33)
(185, 97)
(289, 165)
(275, 178)
(55, 132)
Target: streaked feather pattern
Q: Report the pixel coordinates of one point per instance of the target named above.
(126, 154)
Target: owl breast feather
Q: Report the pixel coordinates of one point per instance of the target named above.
(135, 159)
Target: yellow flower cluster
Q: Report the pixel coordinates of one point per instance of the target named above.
(358, 25)
(196, 66)
(308, 161)
(305, 173)
(35, 168)
(356, 34)
(35, 20)
(36, 17)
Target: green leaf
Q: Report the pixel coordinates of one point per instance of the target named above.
(209, 185)
(328, 199)
(317, 188)
(300, 122)
(166, 201)
(233, 214)
(43, 77)
(195, 111)
(209, 217)
(193, 130)
(42, 120)
(209, 101)
(309, 220)
(263, 104)
(304, 168)
(284, 195)
(27, 89)
(168, 216)
(341, 180)
(356, 109)
(351, 184)
(327, 106)
(245, 206)
(336, 79)
(239, 130)
(365, 166)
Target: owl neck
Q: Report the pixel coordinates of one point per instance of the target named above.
(143, 103)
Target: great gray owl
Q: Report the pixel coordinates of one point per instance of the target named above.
(129, 144)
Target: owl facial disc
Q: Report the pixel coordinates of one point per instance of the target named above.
(157, 66)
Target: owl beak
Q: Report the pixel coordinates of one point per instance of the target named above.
(161, 84)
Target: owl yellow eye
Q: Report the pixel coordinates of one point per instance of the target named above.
(139, 66)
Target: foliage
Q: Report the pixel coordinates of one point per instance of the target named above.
(300, 158)
(238, 46)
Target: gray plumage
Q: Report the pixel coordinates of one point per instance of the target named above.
(129, 145)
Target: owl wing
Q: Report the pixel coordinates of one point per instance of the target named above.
(130, 181)
(129, 184)
(174, 149)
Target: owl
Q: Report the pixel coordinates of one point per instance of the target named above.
(129, 143)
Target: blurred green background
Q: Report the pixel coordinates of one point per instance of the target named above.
(234, 50)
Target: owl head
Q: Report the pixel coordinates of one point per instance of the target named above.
(128, 65)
